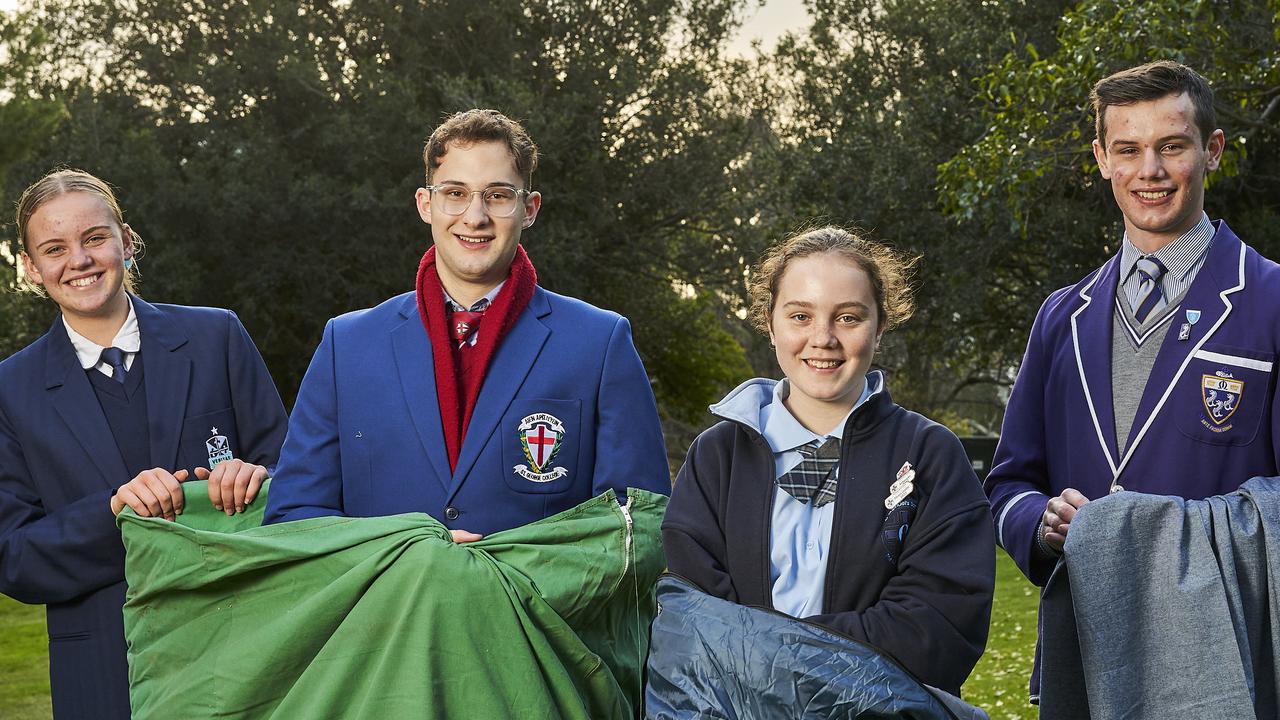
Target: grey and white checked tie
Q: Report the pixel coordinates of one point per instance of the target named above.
(814, 479)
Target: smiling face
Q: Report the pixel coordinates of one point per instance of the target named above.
(1157, 164)
(825, 329)
(474, 250)
(76, 250)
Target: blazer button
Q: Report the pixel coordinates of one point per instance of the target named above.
(451, 513)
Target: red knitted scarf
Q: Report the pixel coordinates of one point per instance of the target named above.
(460, 373)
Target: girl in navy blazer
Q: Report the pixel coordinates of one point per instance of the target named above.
(818, 496)
(116, 405)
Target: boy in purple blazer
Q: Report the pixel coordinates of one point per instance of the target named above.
(1155, 372)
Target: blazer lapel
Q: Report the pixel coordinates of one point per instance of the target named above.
(511, 363)
(1221, 276)
(416, 368)
(74, 399)
(1091, 338)
(167, 378)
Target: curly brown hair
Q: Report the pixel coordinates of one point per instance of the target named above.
(474, 126)
(890, 273)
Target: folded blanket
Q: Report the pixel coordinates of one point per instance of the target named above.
(387, 618)
(1165, 608)
(711, 658)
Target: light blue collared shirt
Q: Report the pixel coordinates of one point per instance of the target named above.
(800, 535)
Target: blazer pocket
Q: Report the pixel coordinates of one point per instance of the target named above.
(209, 439)
(541, 440)
(1224, 394)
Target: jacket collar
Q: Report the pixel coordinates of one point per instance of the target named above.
(511, 364)
(167, 380)
(743, 405)
(1221, 276)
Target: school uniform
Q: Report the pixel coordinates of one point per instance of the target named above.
(1206, 420)
(915, 580)
(196, 392)
(564, 412)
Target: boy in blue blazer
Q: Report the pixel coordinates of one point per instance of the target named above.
(480, 398)
(1156, 372)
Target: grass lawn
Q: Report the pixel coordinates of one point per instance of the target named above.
(998, 685)
(24, 662)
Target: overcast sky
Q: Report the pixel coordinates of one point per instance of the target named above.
(770, 22)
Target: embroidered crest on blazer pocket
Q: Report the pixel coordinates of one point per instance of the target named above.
(208, 439)
(1223, 394)
(541, 440)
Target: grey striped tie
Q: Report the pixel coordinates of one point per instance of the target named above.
(1150, 293)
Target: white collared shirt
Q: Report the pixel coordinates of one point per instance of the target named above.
(89, 353)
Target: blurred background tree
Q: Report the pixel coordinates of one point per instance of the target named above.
(268, 151)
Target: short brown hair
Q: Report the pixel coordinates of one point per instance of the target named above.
(1152, 82)
(62, 182)
(889, 271)
(473, 126)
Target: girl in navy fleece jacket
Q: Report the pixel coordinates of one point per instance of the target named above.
(817, 496)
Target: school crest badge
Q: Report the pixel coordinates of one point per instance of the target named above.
(541, 437)
(1221, 394)
(219, 448)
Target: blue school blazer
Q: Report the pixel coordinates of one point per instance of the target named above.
(59, 466)
(565, 413)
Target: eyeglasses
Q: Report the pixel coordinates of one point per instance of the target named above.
(498, 201)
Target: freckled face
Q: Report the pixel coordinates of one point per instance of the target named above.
(76, 251)
(1157, 164)
(825, 329)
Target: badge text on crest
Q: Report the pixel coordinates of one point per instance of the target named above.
(219, 448)
(541, 437)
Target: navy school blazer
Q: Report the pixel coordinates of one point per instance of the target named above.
(565, 413)
(59, 465)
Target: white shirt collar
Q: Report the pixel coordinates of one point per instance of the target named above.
(89, 353)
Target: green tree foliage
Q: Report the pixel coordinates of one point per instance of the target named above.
(269, 151)
(1031, 177)
(877, 94)
(27, 121)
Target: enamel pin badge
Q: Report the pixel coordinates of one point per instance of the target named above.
(902, 486)
(219, 448)
(541, 437)
(1193, 317)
